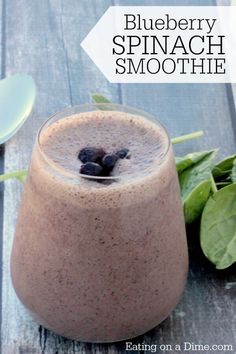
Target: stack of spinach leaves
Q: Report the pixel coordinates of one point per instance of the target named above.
(209, 191)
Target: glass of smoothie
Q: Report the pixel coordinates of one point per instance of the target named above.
(100, 252)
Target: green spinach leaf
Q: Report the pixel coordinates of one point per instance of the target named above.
(19, 175)
(98, 98)
(186, 137)
(220, 185)
(195, 184)
(218, 228)
(233, 173)
(182, 163)
(196, 201)
(223, 168)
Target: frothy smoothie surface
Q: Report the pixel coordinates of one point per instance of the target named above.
(110, 130)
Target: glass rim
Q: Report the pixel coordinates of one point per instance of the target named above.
(81, 108)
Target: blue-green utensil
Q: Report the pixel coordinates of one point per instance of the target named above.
(17, 95)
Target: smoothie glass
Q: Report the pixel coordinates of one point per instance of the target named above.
(100, 259)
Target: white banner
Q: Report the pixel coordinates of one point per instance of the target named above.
(171, 44)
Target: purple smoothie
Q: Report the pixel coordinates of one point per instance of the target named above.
(100, 261)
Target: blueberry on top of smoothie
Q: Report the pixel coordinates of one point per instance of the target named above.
(91, 169)
(96, 162)
(109, 161)
(122, 153)
(91, 154)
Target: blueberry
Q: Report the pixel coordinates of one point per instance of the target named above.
(122, 153)
(91, 169)
(91, 154)
(109, 161)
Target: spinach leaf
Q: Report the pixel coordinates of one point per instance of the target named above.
(103, 103)
(195, 174)
(186, 137)
(233, 173)
(195, 183)
(98, 98)
(182, 163)
(223, 168)
(196, 200)
(19, 175)
(218, 227)
(223, 184)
